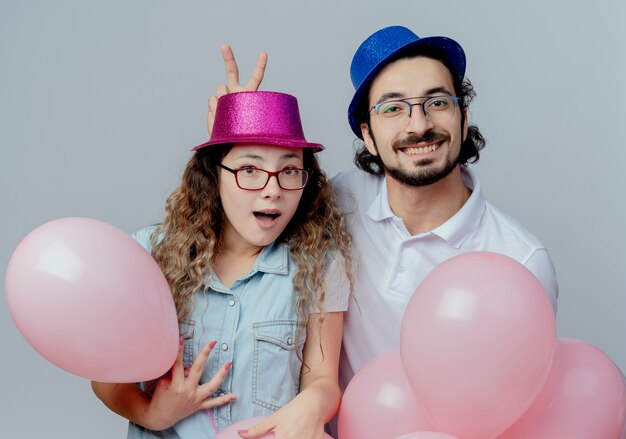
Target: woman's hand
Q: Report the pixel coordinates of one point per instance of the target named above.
(179, 393)
(232, 74)
(293, 421)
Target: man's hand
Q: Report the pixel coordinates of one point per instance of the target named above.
(233, 86)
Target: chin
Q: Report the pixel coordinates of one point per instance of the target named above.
(263, 241)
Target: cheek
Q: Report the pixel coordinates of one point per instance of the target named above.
(221, 185)
(374, 139)
(232, 198)
(465, 124)
(293, 200)
(229, 209)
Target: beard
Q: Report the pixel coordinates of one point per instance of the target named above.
(425, 173)
(421, 177)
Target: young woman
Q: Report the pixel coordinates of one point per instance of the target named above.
(257, 256)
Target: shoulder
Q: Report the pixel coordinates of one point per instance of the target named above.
(355, 186)
(354, 179)
(511, 228)
(143, 236)
(497, 228)
(507, 236)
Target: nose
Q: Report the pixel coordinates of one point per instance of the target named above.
(272, 189)
(418, 122)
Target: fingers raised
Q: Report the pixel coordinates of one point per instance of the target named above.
(232, 71)
(258, 73)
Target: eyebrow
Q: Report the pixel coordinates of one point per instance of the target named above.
(396, 95)
(250, 155)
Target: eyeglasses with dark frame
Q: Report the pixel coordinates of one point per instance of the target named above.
(255, 179)
(392, 113)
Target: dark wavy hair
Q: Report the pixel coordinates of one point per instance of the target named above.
(194, 220)
(464, 90)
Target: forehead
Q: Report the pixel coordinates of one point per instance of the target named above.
(263, 152)
(409, 77)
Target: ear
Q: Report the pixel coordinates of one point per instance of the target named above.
(368, 139)
(465, 126)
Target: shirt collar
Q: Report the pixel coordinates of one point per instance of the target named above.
(466, 220)
(274, 258)
(380, 210)
(456, 229)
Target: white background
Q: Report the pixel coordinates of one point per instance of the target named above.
(100, 103)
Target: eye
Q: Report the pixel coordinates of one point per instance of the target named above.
(391, 108)
(291, 172)
(439, 103)
(248, 171)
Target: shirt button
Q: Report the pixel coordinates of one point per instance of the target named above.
(231, 302)
(289, 341)
(224, 347)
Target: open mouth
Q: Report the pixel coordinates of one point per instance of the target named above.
(418, 145)
(421, 150)
(266, 216)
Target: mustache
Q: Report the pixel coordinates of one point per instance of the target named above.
(428, 136)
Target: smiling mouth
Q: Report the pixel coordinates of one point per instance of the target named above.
(421, 150)
(414, 145)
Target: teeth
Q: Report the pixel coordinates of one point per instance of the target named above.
(422, 150)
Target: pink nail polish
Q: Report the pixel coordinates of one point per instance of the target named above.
(242, 431)
(212, 344)
(228, 365)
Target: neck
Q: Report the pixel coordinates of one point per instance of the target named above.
(234, 260)
(423, 208)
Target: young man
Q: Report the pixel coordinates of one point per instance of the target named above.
(414, 203)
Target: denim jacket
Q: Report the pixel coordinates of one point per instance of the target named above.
(254, 323)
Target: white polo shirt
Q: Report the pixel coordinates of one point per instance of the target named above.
(392, 262)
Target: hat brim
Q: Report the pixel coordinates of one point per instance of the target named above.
(449, 48)
(285, 143)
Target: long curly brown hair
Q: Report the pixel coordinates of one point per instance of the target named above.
(188, 241)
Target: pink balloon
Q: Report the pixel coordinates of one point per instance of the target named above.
(230, 432)
(584, 397)
(623, 435)
(477, 343)
(379, 403)
(426, 435)
(91, 300)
